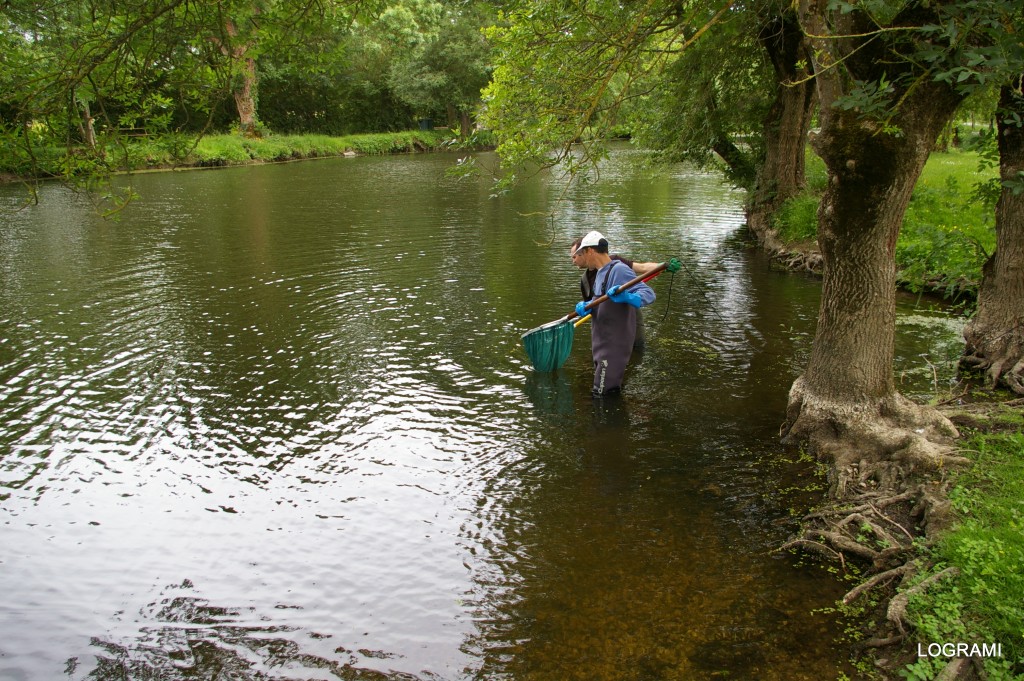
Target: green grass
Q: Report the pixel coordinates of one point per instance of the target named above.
(947, 232)
(985, 602)
(235, 149)
(209, 150)
(797, 220)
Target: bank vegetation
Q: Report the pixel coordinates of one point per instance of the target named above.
(210, 151)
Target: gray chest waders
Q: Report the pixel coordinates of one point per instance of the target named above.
(611, 341)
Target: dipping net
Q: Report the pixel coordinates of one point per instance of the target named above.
(549, 346)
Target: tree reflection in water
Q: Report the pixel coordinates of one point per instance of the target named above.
(190, 639)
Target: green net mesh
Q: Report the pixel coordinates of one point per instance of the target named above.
(549, 346)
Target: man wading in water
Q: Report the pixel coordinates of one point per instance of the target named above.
(614, 322)
(587, 286)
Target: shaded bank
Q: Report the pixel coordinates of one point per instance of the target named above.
(181, 151)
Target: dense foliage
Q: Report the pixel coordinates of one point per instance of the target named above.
(79, 78)
(578, 73)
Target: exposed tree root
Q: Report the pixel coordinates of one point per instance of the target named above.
(887, 466)
(877, 533)
(956, 669)
(873, 449)
(799, 261)
(901, 571)
(897, 610)
(881, 642)
(860, 533)
(1006, 370)
(876, 502)
(791, 257)
(881, 512)
(813, 547)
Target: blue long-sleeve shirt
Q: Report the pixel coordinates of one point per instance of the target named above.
(617, 273)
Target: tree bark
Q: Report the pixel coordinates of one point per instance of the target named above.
(738, 162)
(461, 118)
(87, 125)
(245, 98)
(781, 175)
(244, 85)
(845, 405)
(995, 336)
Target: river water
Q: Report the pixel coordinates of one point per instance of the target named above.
(276, 423)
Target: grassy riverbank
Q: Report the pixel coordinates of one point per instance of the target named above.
(947, 234)
(980, 598)
(983, 601)
(177, 151)
(960, 596)
(233, 149)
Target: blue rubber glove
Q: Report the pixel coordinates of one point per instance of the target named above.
(580, 309)
(627, 297)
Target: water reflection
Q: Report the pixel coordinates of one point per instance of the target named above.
(623, 561)
(552, 394)
(297, 394)
(187, 637)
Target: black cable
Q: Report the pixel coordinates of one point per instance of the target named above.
(699, 289)
(668, 300)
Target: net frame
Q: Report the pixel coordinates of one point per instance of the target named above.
(548, 346)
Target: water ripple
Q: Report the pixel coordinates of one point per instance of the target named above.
(280, 418)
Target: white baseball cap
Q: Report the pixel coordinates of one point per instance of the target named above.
(594, 238)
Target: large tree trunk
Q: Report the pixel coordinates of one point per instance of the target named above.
(781, 175)
(244, 93)
(845, 405)
(995, 336)
(738, 161)
(87, 125)
(244, 84)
